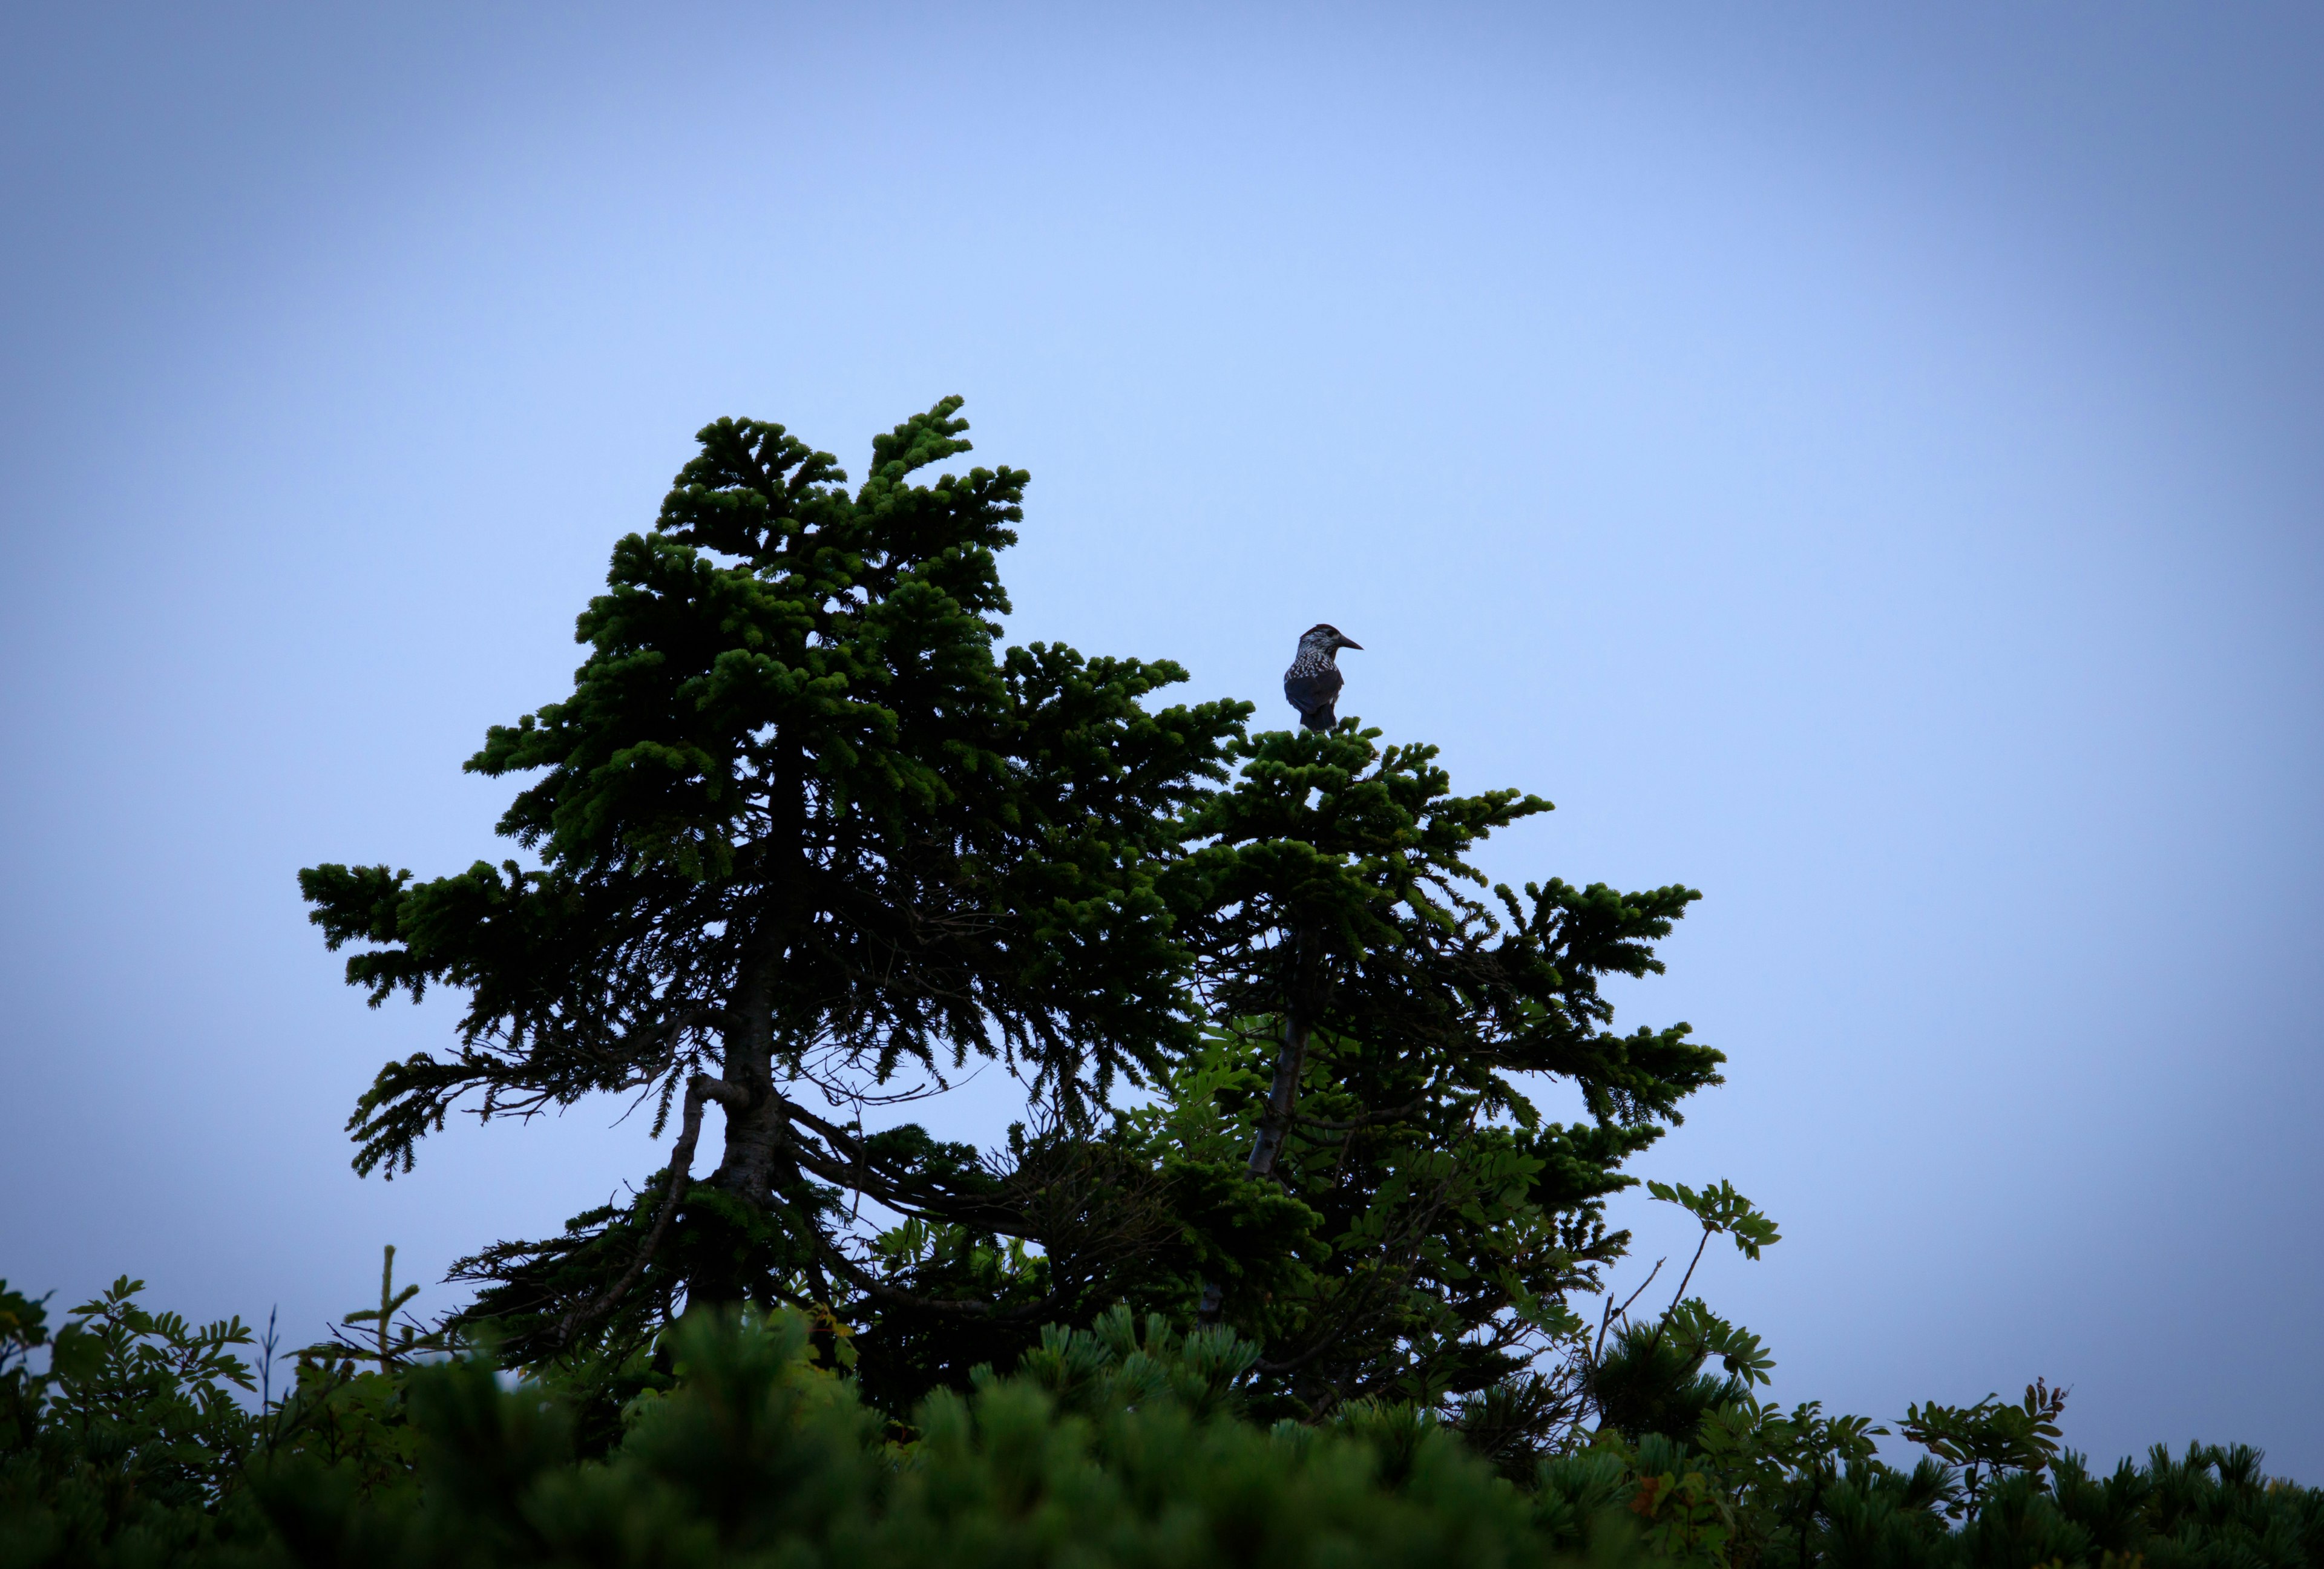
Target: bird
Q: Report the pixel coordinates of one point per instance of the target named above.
(1313, 682)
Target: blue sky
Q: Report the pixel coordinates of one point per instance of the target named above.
(1865, 463)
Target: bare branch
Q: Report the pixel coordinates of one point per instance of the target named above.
(700, 1089)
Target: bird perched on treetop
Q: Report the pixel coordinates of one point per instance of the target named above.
(1313, 682)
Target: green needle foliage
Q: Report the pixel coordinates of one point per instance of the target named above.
(799, 828)
(1125, 1444)
(1382, 1018)
(803, 843)
(805, 840)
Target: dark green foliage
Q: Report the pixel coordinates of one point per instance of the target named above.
(1125, 1443)
(803, 842)
(2210, 1507)
(1115, 1445)
(1649, 1382)
(1102, 1453)
(801, 830)
(130, 1437)
(1992, 1438)
(1382, 1020)
(801, 827)
(1119, 1362)
(1763, 1487)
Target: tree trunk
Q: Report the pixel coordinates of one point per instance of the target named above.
(1302, 1000)
(757, 1130)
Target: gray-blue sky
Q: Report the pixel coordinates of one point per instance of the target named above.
(1865, 464)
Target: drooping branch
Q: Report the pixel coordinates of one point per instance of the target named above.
(700, 1089)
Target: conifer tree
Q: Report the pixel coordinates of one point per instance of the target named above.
(798, 829)
(1379, 1022)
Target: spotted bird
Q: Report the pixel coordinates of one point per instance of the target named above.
(1313, 682)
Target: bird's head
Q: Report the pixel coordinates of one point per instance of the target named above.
(1324, 638)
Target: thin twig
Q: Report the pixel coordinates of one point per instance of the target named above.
(1612, 1313)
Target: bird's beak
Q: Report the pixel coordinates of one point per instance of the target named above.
(1348, 643)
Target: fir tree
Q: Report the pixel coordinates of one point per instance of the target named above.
(798, 829)
(1381, 1019)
